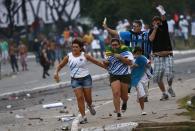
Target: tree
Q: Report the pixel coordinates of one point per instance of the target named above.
(116, 10)
(12, 7)
(58, 8)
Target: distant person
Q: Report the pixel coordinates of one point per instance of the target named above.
(23, 56)
(4, 50)
(193, 31)
(44, 60)
(81, 80)
(162, 53)
(171, 25)
(13, 57)
(37, 48)
(183, 24)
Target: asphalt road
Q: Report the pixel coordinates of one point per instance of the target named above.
(12, 105)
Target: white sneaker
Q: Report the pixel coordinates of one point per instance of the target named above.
(144, 113)
(83, 120)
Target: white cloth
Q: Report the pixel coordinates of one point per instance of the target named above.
(171, 24)
(184, 25)
(78, 65)
(193, 28)
(95, 44)
(140, 90)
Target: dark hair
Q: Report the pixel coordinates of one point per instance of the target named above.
(79, 42)
(115, 40)
(138, 22)
(137, 49)
(156, 18)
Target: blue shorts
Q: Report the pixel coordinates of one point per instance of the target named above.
(84, 82)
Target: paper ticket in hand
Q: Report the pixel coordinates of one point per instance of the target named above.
(105, 20)
(161, 9)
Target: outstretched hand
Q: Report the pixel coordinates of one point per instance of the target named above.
(57, 78)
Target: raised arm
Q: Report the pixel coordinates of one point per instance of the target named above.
(93, 60)
(162, 11)
(153, 34)
(111, 31)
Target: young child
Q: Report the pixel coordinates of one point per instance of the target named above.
(138, 76)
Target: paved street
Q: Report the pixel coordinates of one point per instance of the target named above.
(25, 112)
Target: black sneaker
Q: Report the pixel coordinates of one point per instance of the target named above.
(124, 107)
(92, 110)
(171, 92)
(146, 99)
(83, 120)
(119, 116)
(164, 97)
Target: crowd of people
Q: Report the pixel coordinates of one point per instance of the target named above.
(125, 52)
(128, 58)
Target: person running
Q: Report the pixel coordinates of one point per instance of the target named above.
(135, 38)
(44, 60)
(118, 65)
(138, 76)
(162, 53)
(81, 80)
(4, 50)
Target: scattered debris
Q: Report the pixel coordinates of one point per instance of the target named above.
(154, 112)
(179, 79)
(53, 105)
(66, 119)
(69, 99)
(19, 116)
(65, 128)
(35, 118)
(165, 115)
(189, 103)
(28, 95)
(64, 111)
(9, 106)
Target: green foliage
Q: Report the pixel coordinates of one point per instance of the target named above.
(116, 10)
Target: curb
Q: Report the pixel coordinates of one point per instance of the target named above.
(31, 56)
(114, 127)
(51, 86)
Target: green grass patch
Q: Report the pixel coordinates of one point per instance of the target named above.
(189, 110)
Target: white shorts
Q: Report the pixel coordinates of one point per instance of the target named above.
(140, 90)
(5, 54)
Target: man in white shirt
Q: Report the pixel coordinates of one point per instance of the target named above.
(193, 31)
(171, 24)
(183, 24)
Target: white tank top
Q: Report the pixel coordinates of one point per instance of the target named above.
(77, 65)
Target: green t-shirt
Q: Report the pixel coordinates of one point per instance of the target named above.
(4, 46)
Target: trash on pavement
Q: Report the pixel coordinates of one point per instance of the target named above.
(9, 106)
(53, 105)
(35, 118)
(66, 119)
(69, 99)
(28, 95)
(19, 116)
